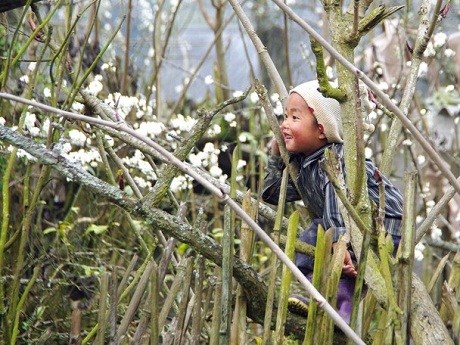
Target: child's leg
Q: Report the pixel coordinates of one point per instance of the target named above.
(299, 304)
(345, 293)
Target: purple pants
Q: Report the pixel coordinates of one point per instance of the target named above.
(346, 283)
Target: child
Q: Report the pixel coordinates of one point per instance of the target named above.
(312, 123)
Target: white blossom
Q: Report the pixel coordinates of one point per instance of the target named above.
(77, 138)
(141, 182)
(180, 182)
(47, 92)
(436, 233)
(421, 159)
(237, 93)
(418, 251)
(138, 161)
(214, 130)
(24, 79)
(223, 178)
(151, 129)
(229, 117)
(95, 86)
(278, 110)
(77, 106)
(32, 66)
(183, 124)
(368, 152)
(449, 53)
(208, 80)
(2, 121)
(84, 157)
(439, 39)
(407, 142)
(66, 147)
(29, 121)
(243, 138)
(275, 97)
(215, 171)
(383, 86)
(254, 97)
(241, 163)
(429, 51)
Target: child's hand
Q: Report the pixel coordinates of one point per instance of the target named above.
(348, 268)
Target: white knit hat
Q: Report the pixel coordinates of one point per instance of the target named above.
(326, 110)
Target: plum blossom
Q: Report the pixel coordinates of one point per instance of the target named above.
(254, 97)
(183, 123)
(436, 233)
(368, 152)
(138, 161)
(215, 171)
(278, 109)
(77, 138)
(439, 39)
(124, 104)
(32, 66)
(95, 86)
(418, 251)
(449, 53)
(214, 130)
(76, 106)
(208, 157)
(141, 182)
(181, 182)
(84, 157)
(208, 80)
(241, 163)
(151, 129)
(20, 153)
(29, 121)
(229, 117)
(47, 92)
(243, 137)
(407, 142)
(24, 79)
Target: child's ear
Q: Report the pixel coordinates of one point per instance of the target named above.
(321, 128)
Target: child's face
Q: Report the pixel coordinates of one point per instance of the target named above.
(301, 131)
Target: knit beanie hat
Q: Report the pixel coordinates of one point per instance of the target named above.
(326, 110)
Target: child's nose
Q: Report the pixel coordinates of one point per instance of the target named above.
(284, 124)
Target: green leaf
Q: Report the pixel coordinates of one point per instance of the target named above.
(97, 229)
